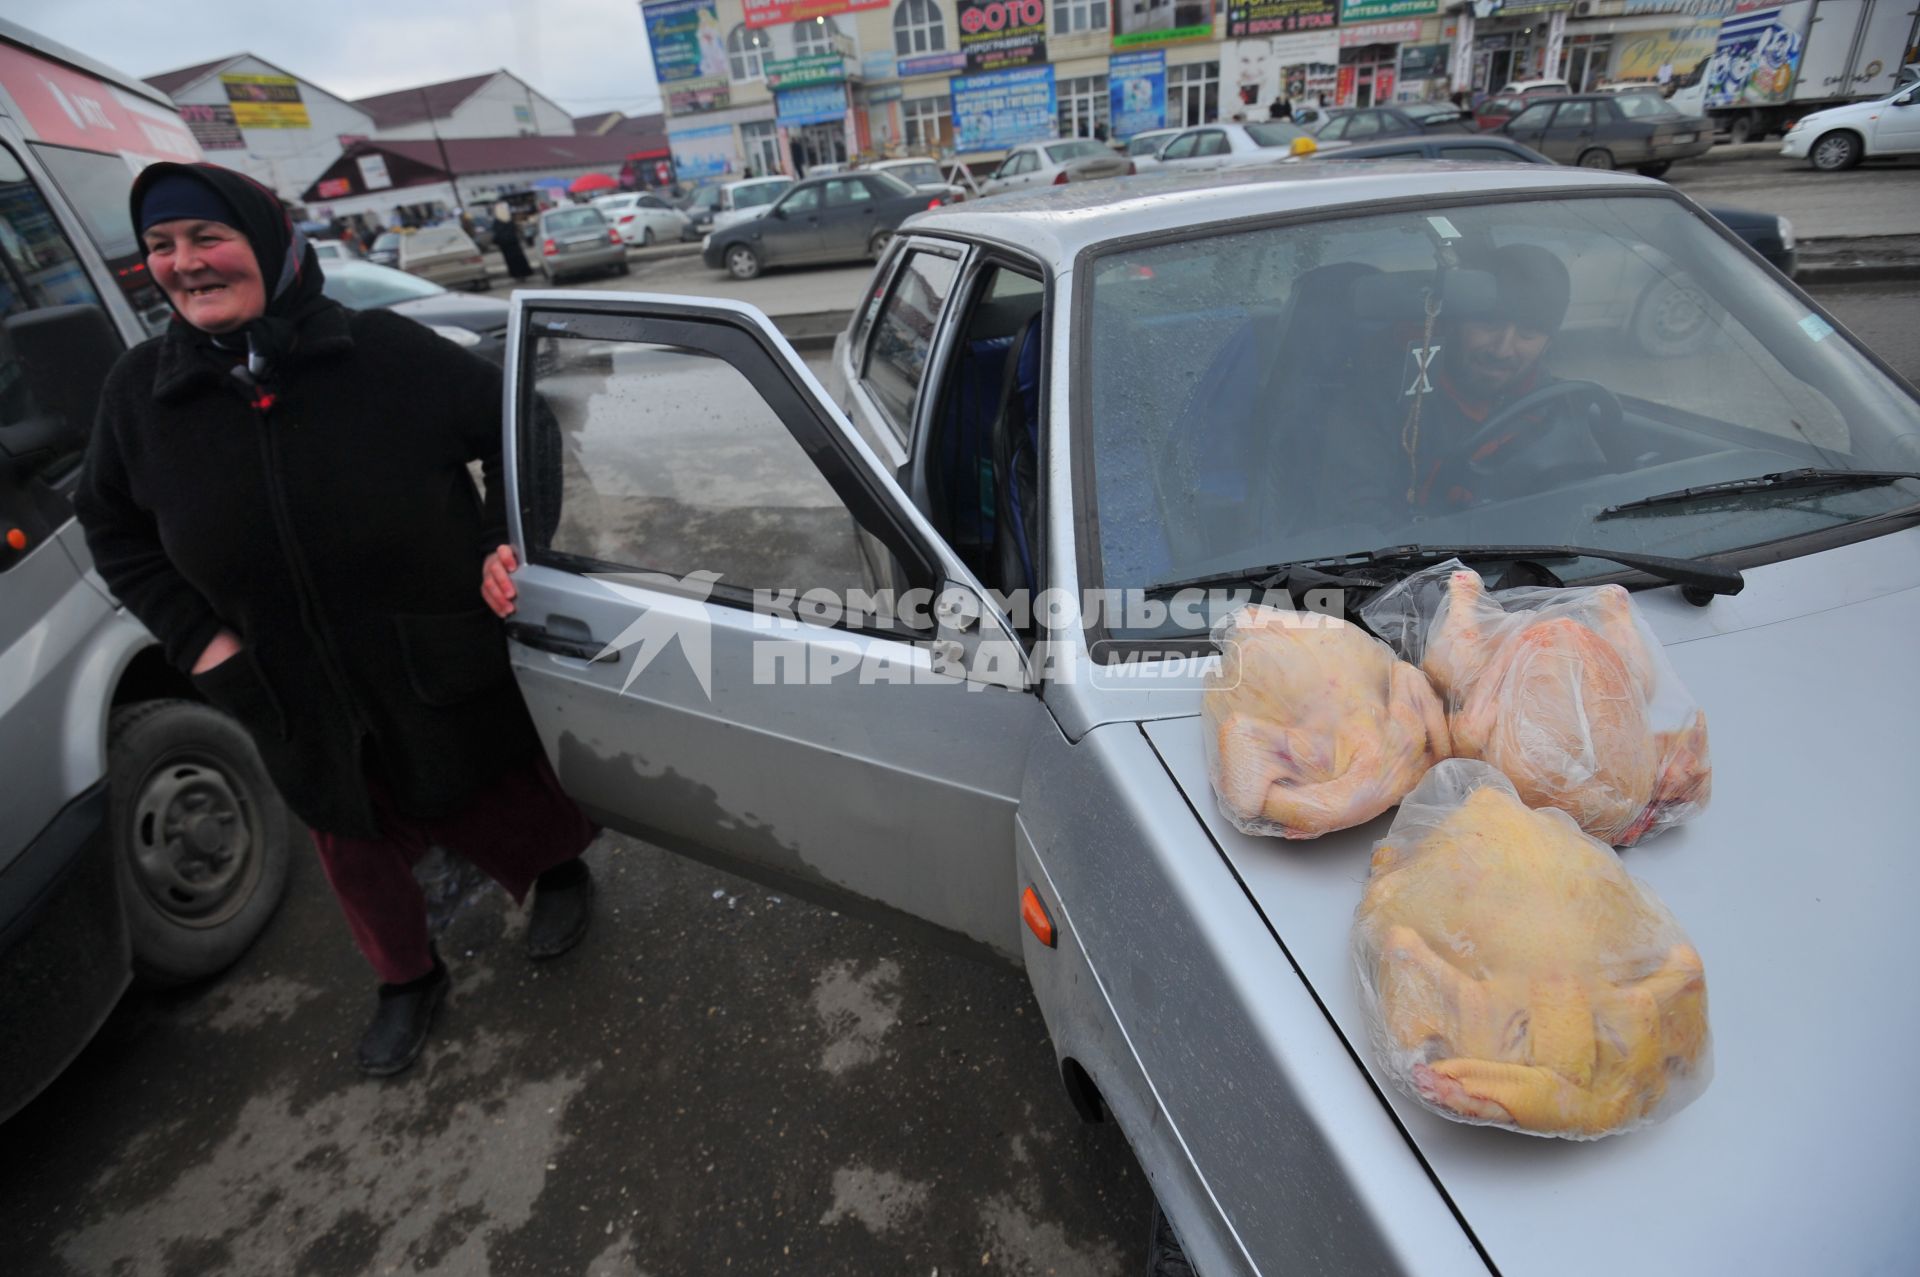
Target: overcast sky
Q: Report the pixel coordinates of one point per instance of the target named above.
(587, 55)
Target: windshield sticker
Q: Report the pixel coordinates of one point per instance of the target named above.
(1443, 228)
(1419, 361)
(1816, 328)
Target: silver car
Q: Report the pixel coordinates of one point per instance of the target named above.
(1055, 164)
(794, 627)
(578, 241)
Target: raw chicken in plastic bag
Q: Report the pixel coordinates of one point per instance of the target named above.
(1516, 975)
(1564, 690)
(1314, 725)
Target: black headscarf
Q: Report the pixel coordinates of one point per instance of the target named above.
(288, 265)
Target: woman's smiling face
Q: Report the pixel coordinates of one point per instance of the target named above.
(207, 270)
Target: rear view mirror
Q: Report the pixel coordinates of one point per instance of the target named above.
(63, 354)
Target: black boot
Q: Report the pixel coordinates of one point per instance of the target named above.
(399, 1028)
(562, 904)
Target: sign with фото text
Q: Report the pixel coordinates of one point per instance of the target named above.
(686, 40)
(266, 101)
(815, 104)
(213, 127)
(1375, 10)
(703, 153)
(775, 13)
(1137, 87)
(1004, 108)
(1144, 22)
(809, 68)
(996, 34)
(1280, 17)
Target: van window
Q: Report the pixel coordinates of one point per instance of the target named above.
(98, 187)
(40, 266)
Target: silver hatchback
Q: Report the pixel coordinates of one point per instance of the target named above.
(578, 241)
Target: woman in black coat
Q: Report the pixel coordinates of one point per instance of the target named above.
(506, 237)
(279, 489)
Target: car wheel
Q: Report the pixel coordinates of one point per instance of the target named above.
(1835, 151)
(621, 269)
(1655, 169)
(1673, 319)
(1165, 1256)
(1598, 157)
(877, 243)
(646, 237)
(200, 836)
(743, 262)
(1740, 131)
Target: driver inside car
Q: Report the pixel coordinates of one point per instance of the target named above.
(1428, 448)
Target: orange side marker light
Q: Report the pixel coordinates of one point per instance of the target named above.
(1034, 914)
(17, 540)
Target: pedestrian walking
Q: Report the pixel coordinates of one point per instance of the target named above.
(506, 237)
(278, 488)
(1282, 109)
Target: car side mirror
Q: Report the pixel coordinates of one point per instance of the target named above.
(1906, 100)
(778, 212)
(63, 354)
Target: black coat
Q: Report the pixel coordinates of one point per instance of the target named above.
(339, 533)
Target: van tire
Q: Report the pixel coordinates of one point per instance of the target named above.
(200, 838)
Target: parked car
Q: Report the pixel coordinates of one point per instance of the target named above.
(1529, 88)
(1611, 130)
(385, 249)
(578, 241)
(1218, 146)
(642, 218)
(333, 250)
(923, 175)
(1055, 163)
(477, 323)
(1513, 99)
(1143, 148)
(746, 199)
(1767, 234)
(1143, 386)
(700, 209)
(1315, 118)
(822, 219)
(1409, 119)
(444, 255)
(1840, 137)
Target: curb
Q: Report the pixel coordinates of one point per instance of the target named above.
(1867, 259)
(1856, 273)
(813, 330)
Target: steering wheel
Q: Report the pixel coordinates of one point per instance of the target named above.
(1595, 394)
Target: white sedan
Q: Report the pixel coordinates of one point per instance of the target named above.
(1212, 146)
(642, 218)
(1841, 136)
(1144, 148)
(1055, 164)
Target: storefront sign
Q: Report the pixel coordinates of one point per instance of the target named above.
(774, 13)
(812, 68)
(704, 153)
(1137, 91)
(213, 127)
(686, 39)
(1166, 21)
(1383, 84)
(373, 172)
(996, 34)
(877, 66)
(933, 64)
(1374, 10)
(266, 101)
(885, 93)
(1280, 17)
(816, 104)
(1004, 108)
(1379, 33)
(690, 97)
(1495, 8)
(1424, 61)
(334, 188)
(1307, 63)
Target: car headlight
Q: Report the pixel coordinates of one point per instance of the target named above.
(458, 336)
(1786, 235)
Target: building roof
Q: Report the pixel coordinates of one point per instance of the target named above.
(171, 82)
(597, 123)
(410, 106)
(414, 161)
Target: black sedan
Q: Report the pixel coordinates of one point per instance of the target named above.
(836, 218)
(1641, 131)
(1408, 119)
(1769, 235)
(477, 323)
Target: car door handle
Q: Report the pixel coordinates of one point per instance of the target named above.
(538, 636)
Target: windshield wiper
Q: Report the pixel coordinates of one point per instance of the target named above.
(1693, 574)
(1779, 479)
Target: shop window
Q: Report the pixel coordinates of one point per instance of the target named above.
(928, 123)
(814, 38)
(1079, 15)
(1193, 94)
(1083, 106)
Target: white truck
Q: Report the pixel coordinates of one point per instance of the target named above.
(1773, 65)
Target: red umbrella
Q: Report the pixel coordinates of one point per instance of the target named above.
(592, 182)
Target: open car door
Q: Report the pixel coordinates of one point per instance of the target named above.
(736, 635)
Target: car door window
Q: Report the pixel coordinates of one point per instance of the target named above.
(648, 449)
(1212, 142)
(1028, 162)
(1362, 124)
(804, 200)
(1336, 129)
(1534, 117)
(1573, 115)
(844, 191)
(903, 335)
(1181, 147)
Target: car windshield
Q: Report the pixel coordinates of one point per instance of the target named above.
(1061, 152)
(1480, 374)
(1148, 143)
(574, 219)
(386, 242)
(705, 198)
(759, 194)
(1645, 106)
(918, 174)
(1429, 111)
(364, 286)
(1274, 134)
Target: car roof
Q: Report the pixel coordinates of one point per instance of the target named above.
(755, 181)
(1057, 223)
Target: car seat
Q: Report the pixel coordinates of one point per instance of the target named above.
(1016, 466)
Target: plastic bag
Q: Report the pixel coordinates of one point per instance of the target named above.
(1564, 690)
(1313, 724)
(1516, 975)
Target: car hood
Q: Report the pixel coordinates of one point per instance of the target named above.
(1797, 885)
(481, 314)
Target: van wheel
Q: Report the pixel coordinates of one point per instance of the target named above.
(1165, 1257)
(1835, 151)
(1740, 131)
(1598, 157)
(743, 262)
(199, 834)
